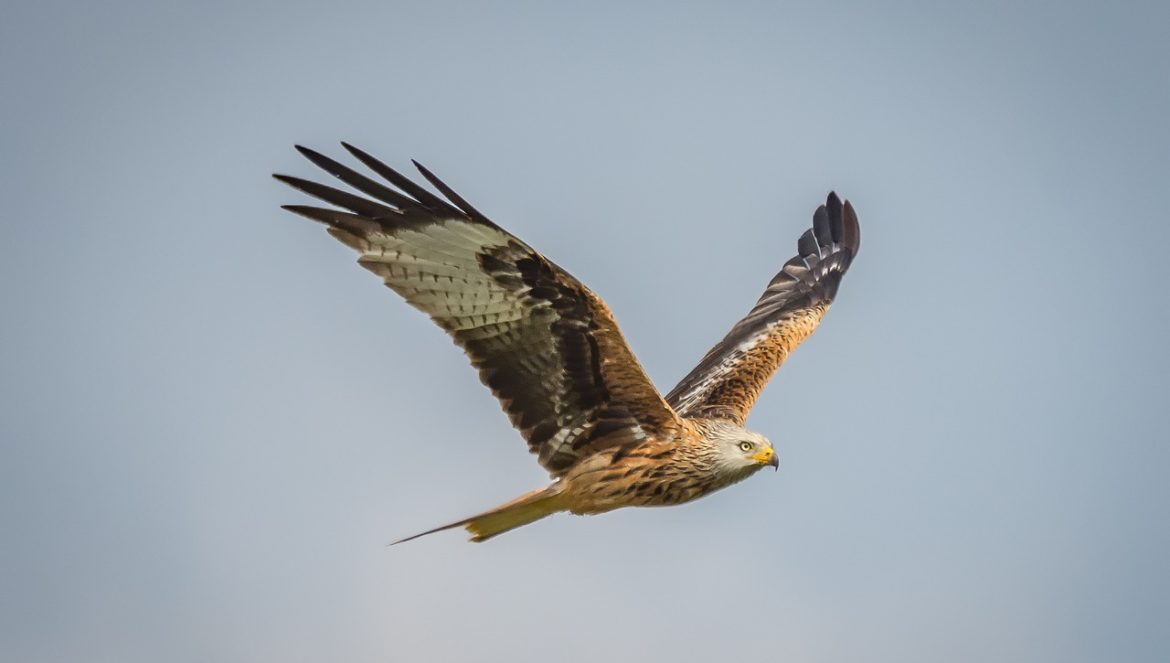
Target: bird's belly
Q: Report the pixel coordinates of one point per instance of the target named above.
(609, 491)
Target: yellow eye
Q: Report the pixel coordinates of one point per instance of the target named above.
(746, 446)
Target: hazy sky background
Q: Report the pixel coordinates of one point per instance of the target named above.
(212, 421)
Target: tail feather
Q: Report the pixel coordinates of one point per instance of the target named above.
(527, 508)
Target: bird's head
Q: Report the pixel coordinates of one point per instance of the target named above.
(741, 452)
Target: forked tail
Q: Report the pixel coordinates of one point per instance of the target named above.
(528, 508)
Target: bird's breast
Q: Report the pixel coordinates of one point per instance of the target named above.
(653, 475)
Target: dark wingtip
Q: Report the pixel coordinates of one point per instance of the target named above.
(852, 229)
(311, 154)
(447, 191)
(319, 214)
(843, 222)
(307, 211)
(320, 160)
(833, 205)
(807, 244)
(419, 193)
(357, 153)
(421, 168)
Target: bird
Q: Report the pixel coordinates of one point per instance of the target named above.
(550, 349)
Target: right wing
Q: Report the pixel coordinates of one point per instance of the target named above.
(729, 379)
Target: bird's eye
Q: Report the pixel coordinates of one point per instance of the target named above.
(746, 446)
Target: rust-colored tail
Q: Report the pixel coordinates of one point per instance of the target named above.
(528, 508)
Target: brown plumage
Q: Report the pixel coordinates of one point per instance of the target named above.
(552, 353)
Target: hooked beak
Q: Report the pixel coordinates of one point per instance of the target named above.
(767, 456)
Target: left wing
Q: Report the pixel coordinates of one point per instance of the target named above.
(546, 346)
(729, 379)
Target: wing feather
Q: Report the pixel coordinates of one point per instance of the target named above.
(545, 345)
(729, 379)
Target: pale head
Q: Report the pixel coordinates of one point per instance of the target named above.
(738, 452)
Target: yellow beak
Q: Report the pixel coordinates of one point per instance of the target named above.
(767, 456)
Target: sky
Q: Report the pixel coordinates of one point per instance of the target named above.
(212, 421)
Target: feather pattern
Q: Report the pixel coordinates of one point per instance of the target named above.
(545, 345)
(730, 377)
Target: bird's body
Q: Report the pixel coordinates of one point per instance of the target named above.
(551, 351)
(660, 471)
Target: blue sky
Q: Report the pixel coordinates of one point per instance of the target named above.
(211, 420)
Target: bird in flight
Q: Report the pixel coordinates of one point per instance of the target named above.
(552, 353)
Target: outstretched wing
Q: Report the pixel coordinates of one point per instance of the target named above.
(545, 345)
(729, 379)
